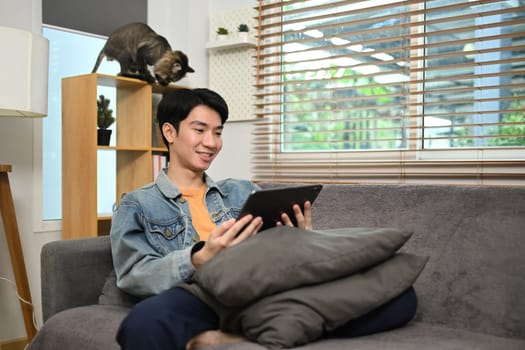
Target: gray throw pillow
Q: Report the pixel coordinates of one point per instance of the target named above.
(285, 257)
(286, 286)
(296, 317)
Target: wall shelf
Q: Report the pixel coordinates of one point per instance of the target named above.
(233, 43)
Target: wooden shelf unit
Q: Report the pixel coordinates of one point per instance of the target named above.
(134, 151)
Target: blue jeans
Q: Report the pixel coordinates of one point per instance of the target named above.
(170, 319)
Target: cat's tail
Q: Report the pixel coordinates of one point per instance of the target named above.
(99, 59)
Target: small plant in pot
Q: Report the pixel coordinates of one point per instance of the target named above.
(104, 120)
(222, 33)
(243, 30)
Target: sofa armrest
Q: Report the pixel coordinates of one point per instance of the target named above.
(73, 273)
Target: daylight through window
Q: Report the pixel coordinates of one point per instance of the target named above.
(391, 91)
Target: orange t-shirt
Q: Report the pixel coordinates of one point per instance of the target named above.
(200, 217)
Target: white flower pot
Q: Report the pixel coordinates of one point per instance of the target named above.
(243, 35)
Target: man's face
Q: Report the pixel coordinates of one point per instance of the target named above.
(199, 139)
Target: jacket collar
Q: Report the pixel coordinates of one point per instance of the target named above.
(169, 189)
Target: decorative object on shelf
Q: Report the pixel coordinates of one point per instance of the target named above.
(243, 31)
(104, 120)
(222, 33)
(144, 46)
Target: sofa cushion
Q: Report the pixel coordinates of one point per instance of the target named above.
(91, 327)
(283, 258)
(299, 316)
(414, 336)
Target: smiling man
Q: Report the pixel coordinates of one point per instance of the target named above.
(162, 232)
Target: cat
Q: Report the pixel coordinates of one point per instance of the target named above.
(136, 46)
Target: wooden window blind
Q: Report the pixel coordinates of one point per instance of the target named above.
(390, 91)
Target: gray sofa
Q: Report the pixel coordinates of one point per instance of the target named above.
(471, 292)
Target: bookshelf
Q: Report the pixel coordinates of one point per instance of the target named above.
(135, 151)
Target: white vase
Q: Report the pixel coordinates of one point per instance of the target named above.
(243, 35)
(221, 37)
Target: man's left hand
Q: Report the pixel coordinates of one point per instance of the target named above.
(304, 219)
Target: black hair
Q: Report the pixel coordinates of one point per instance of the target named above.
(176, 105)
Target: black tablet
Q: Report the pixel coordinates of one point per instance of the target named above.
(272, 202)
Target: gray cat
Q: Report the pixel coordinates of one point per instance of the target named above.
(136, 46)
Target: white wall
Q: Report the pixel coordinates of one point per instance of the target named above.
(234, 160)
(185, 25)
(189, 33)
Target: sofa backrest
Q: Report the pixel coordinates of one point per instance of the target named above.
(474, 236)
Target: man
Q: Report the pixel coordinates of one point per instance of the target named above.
(162, 232)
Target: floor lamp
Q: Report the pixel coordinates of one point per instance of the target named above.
(23, 93)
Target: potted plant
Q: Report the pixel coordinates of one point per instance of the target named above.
(222, 33)
(104, 120)
(243, 31)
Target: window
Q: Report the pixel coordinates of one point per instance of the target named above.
(391, 91)
(70, 53)
(76, 31)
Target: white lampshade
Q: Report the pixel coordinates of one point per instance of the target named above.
(23, 72)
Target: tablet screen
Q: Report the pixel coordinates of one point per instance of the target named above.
(271, 203)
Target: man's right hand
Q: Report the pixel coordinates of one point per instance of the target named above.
(227, 234)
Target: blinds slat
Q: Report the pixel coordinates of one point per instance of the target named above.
(337, 104)
(398, 49)
(416, 81)
(444, 91)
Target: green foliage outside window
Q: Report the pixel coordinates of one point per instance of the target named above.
(517, 130)
(333, 123)
(325, 126)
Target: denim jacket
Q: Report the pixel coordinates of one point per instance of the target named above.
(152, 234)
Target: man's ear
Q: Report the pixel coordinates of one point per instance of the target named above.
(169, 132)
